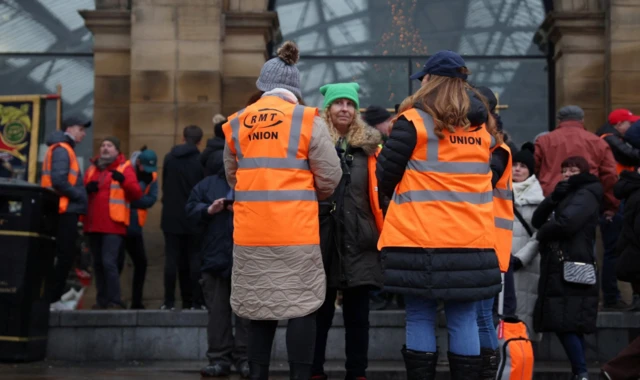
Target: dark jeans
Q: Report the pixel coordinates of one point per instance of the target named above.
(182, 260)
(134, 245)
(610, 234)
(574, 348)
(65, 254)
(223, 346)
(355, 311)
(301, 333)
(105, 249)
(510, 301)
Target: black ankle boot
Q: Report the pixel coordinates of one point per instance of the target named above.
(258, 371)
(299, 371)
(420, 365)
(464, 367)
(490, 363)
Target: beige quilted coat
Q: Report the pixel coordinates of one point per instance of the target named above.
(274, 283)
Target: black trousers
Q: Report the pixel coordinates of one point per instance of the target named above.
(301, 334)
(182, 260)
(223, 345)
(65, 254)
(105, 249)
(134, 246)
(355, 311)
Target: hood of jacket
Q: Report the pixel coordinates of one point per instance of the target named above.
(58, 137)
(628, 184)
(215, 163)
(589, 182)
(528, 192)
(360, 135)
(184, 150)
(607, 129)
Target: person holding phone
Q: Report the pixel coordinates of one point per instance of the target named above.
(209, 206)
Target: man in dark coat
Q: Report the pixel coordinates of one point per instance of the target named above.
(206, 207)
(180, 173)
(628, 248)
(613, 133)
(212, 154)
(72, 133)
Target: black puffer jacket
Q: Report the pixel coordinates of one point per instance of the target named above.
(349, 235)
(447, 274)
(628, 248)
(211, 157)
(571, 224)
(622, 152)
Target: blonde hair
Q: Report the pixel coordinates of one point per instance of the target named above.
(218, 118)
(357, 127)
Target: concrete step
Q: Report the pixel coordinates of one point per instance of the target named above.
(165, 335)
(378, 370)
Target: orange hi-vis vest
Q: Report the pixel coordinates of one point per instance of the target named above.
(72, 177)
(142, 213)
(119, 210)
(275, 199)
(444, 199)
(503, 214)
(374, 199)
(619, 167)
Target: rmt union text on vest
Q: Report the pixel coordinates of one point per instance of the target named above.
(268, 135)
(465, 140)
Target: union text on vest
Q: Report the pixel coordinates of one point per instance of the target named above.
(263, 136)
(465, 140)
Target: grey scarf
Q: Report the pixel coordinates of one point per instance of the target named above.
(103, 163)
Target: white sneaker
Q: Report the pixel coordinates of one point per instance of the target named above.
(59, 306)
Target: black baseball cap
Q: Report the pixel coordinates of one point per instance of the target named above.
(74, 120)
(445, 63)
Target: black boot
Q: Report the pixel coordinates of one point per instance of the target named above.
(299, 371)
(420, 365)
(258, 371)
(465, 367)
(490, 363)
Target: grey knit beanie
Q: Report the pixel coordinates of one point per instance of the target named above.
(281, 72)
(567, 113)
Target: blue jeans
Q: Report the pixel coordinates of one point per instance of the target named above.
(486, 329)
(574, 347)
(610, 234)
(461, 323)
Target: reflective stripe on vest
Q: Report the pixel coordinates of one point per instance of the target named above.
(619, 167)
(72, 177)
(142, 213)
(374, 196)
(444, 199)
(270, 140)
(503, 214)
(119, 210)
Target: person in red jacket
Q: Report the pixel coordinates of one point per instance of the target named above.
(112, 184)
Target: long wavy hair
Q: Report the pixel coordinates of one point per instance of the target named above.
(447, 101)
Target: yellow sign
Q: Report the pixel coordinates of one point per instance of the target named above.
(20, 121)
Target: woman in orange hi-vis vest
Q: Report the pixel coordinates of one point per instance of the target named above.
(111, 184)
(438, 237)
(280, 161)
(348, 230)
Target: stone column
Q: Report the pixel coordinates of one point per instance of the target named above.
(248, 29)
(577, 30)
(624, 53)
(111, 29)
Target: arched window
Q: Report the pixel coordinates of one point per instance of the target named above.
(379, 43)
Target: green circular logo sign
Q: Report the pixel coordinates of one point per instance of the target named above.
(15, 132)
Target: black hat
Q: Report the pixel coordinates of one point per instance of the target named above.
(73, 120)
(114, 140)
(375, 115)
(444, 63)
(525, 157)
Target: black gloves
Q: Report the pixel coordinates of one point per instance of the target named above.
(92, 187)
(516, 264)
(117, 176)
(561, 190)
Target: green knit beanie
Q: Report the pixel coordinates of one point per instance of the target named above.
(335, 91)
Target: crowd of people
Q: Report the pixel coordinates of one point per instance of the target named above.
(291, 207)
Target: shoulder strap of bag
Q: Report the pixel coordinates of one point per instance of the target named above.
(524, 223)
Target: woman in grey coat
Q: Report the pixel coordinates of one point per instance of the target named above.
(525, 257)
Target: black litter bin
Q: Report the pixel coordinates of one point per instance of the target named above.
(28, 225)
